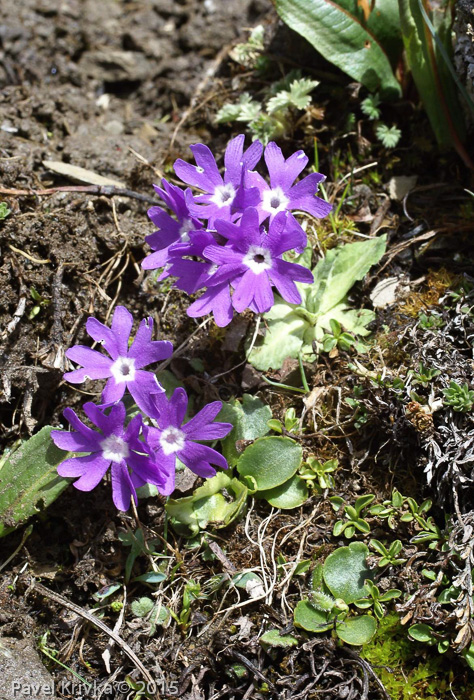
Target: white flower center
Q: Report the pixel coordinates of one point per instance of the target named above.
(223, 195)
(274, 201)
(172, 440)
(123, 369)
(186, 227)
(258, 259)
(114, 448)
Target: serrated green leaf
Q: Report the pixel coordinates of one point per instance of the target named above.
(142, 606)
(342, 39)
(292, 494)
(29, 481)
(270, 461)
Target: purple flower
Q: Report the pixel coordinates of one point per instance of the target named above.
(223, 195)
(170, 230)
(281, 194)
(252, 262)
(171, 438)
(113, 445)
(124, 368)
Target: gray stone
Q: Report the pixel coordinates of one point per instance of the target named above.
(21, 672)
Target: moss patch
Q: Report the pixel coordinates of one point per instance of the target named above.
(414, 672)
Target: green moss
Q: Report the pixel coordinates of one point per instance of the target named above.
(411, 671)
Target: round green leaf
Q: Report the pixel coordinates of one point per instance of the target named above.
(291, 494)
(270, 461)
(345, 571)
(310, 618)
(422, 633)
(357, 630)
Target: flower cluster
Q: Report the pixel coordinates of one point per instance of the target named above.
(144, 449)
(230, 239)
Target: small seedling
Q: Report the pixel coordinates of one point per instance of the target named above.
(376, 599)
(388, 556)
(313, 470)
(354, 521)
(459, 397)
(4, 211)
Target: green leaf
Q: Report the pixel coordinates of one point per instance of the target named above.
(151, 577)
(250, 420)
(345, 571)
(270, 461)
(310, 618)
(273, 638)
(293, 329)
(142, 606)
(291, 494)
(342, 39)
(284, 336)
(422, 633)
(433, 81)
(208, 505)
(29, 482)
(389, 136)
(357, 630)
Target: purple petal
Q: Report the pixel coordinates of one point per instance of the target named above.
(233, 160)
(122, 486)
(263, 294)
(74, 442)
(122, 323)
(198, 458)
(145, 350)
(78, 425)
(111, 423)
(201, 426)
(252, 155)
(244, 291)
(167, 468)
(215, 300)
(77, 466)
(142, 388)
(177, 406)
(103, 335)
(283, 172)
(92, 470)
(113, 391)
(95, 364)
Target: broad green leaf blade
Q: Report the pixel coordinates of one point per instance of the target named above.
(284, 337)
(383, 21)
(291, 494)
(270, 461)
(341, 39)
(250, 420)
(434, 84)
(310, 618)
(29, 482)
(345, 571)
(357, 630)
(339, 270)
